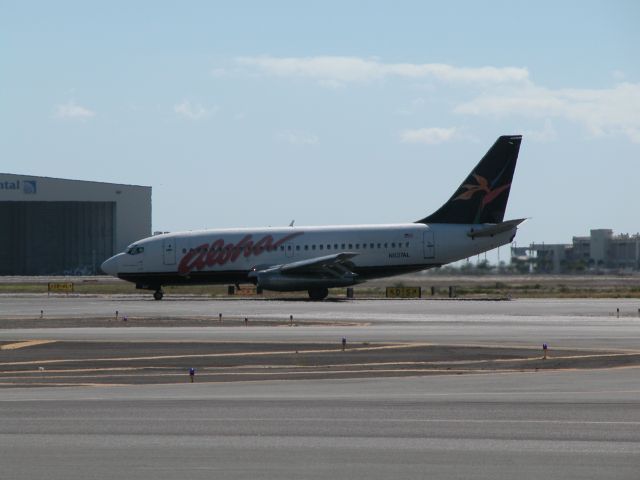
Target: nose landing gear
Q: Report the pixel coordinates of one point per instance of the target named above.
(158, 294)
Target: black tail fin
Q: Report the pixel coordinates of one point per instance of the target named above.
(482, 197)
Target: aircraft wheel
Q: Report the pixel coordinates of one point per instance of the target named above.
(318, 293)
(158, 294)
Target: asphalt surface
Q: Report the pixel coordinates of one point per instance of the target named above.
(570, 425)
(106, 363)
(580, 424)
(30, 305)
(559, 323)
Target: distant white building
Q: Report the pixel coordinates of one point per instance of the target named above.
(601, 250)
(57, 226)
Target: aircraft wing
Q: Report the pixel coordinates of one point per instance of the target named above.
(327, 263)
(327, 271)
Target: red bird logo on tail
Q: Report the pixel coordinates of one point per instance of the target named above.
(489, 195)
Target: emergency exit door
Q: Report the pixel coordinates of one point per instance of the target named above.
(169, 251)
(289, 249)
(429, 244)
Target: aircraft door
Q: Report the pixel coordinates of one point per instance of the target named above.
(289, 248)
(169, 251)
(429, 244)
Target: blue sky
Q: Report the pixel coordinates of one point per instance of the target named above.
(256, 113)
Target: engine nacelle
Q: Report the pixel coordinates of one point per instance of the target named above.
(278, 282)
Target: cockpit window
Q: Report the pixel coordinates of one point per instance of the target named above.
(135, 250)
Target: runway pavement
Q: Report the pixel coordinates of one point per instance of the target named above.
(567, 323)
(30, 305)
(570, 425)
(573, 424)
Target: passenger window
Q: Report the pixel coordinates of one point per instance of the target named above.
(297, 247)
(357, 246)
(282, 248)
(343, 246)
(313, 247)
(393, 245)
(364, 245)
(378, 245)
(328, 247)
(321, 247)
(350, 246)
(288, 247)
(306, 247)
(371, 245)
(335, 246)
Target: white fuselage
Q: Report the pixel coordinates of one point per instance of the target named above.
(318, 258)
(228, 255)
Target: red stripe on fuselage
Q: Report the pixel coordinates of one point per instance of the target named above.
(219, 253)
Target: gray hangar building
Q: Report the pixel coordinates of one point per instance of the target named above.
(53, 226)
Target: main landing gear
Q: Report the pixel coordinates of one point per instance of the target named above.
(158, 294)
(318, 293)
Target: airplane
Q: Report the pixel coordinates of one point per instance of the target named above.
(318, 258)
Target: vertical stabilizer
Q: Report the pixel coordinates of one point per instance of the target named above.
(483, 196)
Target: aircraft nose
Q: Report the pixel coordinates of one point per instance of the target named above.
(110, 266)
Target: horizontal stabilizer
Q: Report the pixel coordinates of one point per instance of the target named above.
(492, 230)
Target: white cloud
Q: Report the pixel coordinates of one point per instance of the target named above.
(601, 111)
(193, 111)
(415, 105)
(430, 136)
(494, 91)
(219, 72)
(546, 134)
(338, 70)
(72, 111)
(619, 75)
(297, 138)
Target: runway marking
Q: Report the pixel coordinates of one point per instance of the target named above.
(419, 420)
(76, 370)
(337, 349)
(28, 343)
(302, 352)
(67, 384)
(408, 372)
(294, 372)
(282, 370)
(536, 347)
(415, 373)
